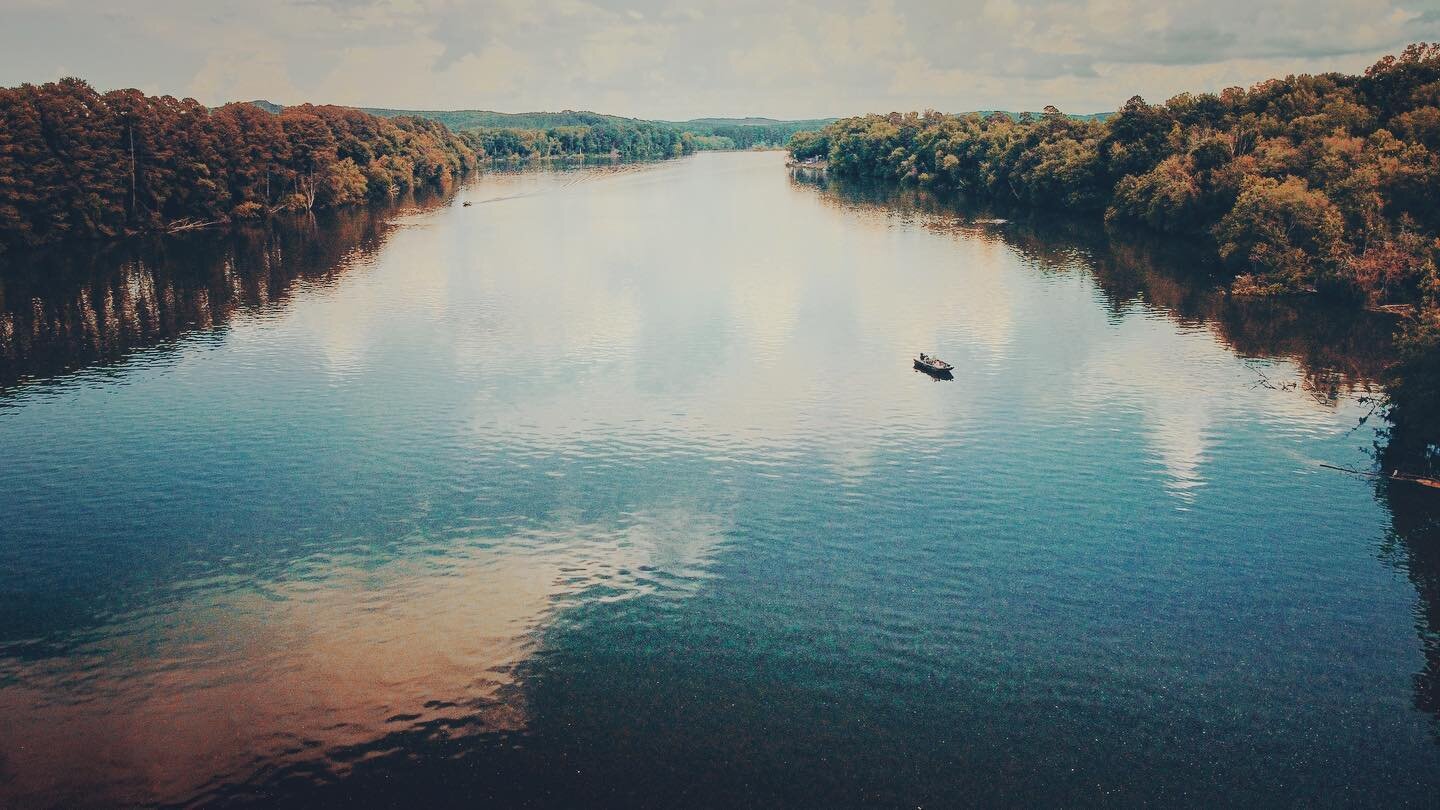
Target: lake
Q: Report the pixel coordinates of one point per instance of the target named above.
(617, 486)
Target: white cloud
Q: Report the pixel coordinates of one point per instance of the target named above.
(609, 52)
(665, 59)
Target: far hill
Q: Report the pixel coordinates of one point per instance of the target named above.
(708, 133)
(268, 106)
(458, 120)
(473, 119)
(1100, 116)
(476, 119)
(711, 133)
(694, 123)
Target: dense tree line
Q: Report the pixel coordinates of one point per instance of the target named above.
(1328, 182)
(459, 120)
(1301, 182)
(628, 140)
(723, 135)
(530, 130)
(78, 163)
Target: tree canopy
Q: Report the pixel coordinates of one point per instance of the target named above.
(628, 141)
(1328, 181)
(78, 163)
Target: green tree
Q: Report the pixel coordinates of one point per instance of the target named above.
(1288, 234)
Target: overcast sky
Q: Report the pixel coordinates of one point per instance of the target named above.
(663, 59)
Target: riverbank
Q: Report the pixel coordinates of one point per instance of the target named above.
(78, 164)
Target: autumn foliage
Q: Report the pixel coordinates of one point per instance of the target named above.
(78, 163)
(1306, 182)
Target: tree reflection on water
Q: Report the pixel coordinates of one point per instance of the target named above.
(78, 306)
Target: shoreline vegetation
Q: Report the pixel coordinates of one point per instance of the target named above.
(579, 136)
(637, 141)
(1325, 184)
(79, 164)
(537, 134)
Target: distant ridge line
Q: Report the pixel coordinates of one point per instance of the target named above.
(475, 119)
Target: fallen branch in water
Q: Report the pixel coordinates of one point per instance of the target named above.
(189, 225)
(1264, 382)
(1356, 472)
(1393, 475)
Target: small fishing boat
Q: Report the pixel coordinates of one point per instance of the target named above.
(933, 365)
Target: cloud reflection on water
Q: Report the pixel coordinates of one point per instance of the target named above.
(231, 677)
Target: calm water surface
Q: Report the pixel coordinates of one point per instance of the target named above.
(617, 487)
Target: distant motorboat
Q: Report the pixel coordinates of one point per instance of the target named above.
(933, 365)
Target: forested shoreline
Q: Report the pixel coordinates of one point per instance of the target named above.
(628, 141)
(1326, 183)
(75, 163)
(591, 134)
(571, 133)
